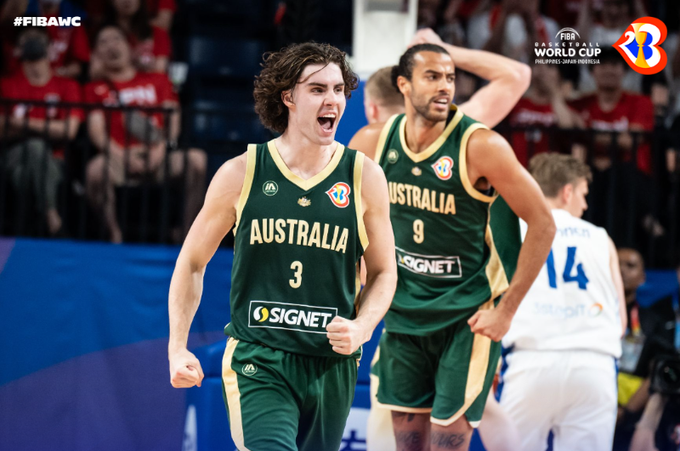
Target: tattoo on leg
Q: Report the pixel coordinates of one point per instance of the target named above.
(411, 416)
(409, 441)
(447, 441)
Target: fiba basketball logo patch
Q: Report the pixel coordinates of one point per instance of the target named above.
(640, 45)
(443, 168)
(249, 369)
(339, 194)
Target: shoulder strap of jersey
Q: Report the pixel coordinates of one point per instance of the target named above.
(358, 177)
(380, 148)
(251, 158)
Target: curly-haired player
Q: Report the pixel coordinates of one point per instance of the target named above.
(304, 210)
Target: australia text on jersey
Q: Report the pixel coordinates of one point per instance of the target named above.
(422, 198)
(297, 232)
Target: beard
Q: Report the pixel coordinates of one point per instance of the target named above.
(422, 107)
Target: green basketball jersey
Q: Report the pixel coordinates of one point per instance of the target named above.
(297, 243)
(447, 255)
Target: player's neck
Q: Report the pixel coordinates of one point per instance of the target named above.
(303, 157)
(38, 73)
(421, 133)
(555, 203)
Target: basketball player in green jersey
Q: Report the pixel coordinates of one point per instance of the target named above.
(304, 210)
(440, 350)
(508, 80)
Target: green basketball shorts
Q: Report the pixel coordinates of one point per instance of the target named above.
(286, 402)
(447, 374)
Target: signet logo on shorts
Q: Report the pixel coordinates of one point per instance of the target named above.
(294, 317)
(443, 168)
(339, 194)
(270, 188)
(249, 369)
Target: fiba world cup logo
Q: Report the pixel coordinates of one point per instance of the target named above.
(639, 45)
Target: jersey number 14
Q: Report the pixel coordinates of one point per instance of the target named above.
(568, 276)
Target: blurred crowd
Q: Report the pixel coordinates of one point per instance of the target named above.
(624, 124)
(118, 57)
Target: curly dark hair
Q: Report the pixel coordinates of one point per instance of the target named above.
(281, 71)
(407, 63)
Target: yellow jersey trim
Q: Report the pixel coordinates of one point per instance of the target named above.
(495, 272)
(434, 147)
(462, 160)
(380, 148)
(295, 179)
(229, 377)
(358, 173)
(479, 365)
(251, 158)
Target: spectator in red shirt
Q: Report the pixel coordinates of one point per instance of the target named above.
(161, 12)
(611, 108)
(35, 133)
(134, 147)
(150, 44)
(544, 106)
(69, 49)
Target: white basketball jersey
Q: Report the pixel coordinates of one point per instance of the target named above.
(573, 303)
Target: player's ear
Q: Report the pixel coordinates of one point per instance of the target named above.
(373, 112)
(404, 84)
(287, 97)
(567, 192)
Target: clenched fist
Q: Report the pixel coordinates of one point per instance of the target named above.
(185, 369)
(346, 335)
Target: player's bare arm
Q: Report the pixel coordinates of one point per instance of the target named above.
(381, 280)
(618, 284)
(491, 161)
(366, 139)
(508, 79)
(214, 221)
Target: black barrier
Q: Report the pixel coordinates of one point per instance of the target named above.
(637, 204)
(149, 207)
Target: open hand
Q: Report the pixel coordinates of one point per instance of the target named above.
(426, 36)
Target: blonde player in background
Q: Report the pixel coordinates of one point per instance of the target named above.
(565, 337)
(508, 80)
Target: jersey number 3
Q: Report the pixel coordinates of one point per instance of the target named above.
(297, 268)
(567, 275)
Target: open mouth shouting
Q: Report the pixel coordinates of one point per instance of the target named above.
(327, 122)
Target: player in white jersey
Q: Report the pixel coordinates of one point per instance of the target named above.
(565, 337)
